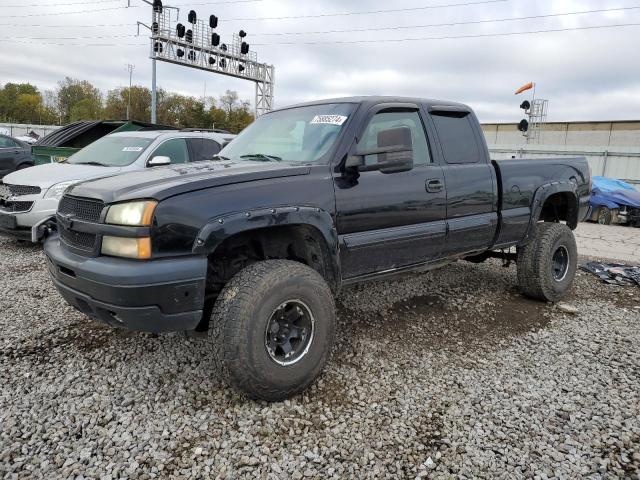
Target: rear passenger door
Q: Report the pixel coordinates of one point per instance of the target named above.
(202, 149)
(472, 216)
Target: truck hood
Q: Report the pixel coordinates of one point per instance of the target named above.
(46, 176)
(164, 182)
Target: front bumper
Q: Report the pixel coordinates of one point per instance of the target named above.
(154, 296)
(27, 224)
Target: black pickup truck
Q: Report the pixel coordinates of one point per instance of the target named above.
(253, 245)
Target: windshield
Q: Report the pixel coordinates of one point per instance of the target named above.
(111, 151)
(303, 134)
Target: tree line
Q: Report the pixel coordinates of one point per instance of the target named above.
(75, 100)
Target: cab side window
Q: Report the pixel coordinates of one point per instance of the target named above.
(175, 149)
(6, 142)
(386, 120)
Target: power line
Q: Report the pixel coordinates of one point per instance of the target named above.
(377, 41)
(450, 37)
(47, 14)
(66, 13)
(69, 26)
(449, 24)
(58, 4)
(76, 38)
(369, 12)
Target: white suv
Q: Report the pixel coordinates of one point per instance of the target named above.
(29, 198)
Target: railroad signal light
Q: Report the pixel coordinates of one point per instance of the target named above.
(180, 30)
(241, 68)
(213, 21)
(244, 48)
(192, 17)
(526, 105)
(215, 39)
(212, 61)
(157, 47)
(157, 6)
(242, 34)
(222, 63)
(180, 53)
(192, 56)
(523, 126)
(155, 27)
(224, 47)
(189, 36)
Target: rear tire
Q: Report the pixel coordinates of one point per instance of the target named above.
(604, 216)
(547, 264)
(273, 327)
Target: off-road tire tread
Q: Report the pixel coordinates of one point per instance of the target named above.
(533, 261)
(228, 319)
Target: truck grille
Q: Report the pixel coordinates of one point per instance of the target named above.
(81, 208)
(81, 240)
(15, 207)
(20, 190)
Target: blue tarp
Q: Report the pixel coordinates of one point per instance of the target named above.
(613, 193)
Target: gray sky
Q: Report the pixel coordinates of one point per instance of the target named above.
(586, 74)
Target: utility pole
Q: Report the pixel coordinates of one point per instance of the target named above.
(130, 67)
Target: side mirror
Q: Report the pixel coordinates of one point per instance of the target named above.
(394, 151)
(159, 161)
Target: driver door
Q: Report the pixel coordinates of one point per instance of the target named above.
(387, 221)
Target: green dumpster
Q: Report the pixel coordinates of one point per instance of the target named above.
(67, 140)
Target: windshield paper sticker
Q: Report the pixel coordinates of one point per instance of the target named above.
(329, 120)
(132, 149)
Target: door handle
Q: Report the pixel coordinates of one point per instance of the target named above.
(434, 185)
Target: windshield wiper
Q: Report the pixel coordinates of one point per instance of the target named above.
(98, 164)
(220, 157)
(263, 157)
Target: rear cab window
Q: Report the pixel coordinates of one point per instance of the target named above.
(457, 137)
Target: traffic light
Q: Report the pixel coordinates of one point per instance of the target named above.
(215, 39)
(244, 48)
(189, 36)
(180, 30)
(523, 126)
(157, 6)
(213, 21)
(157, 47)
(192, 17)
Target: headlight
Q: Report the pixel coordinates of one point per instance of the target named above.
(57, 190)
(133, 214)
(138, 248)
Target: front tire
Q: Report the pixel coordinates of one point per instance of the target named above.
(273, 327)
(547, 264)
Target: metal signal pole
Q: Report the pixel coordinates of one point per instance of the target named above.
(153, 27)
(130, 67)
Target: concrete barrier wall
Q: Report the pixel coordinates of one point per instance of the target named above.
(612, 148)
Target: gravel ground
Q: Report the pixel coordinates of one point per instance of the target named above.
(450, 374)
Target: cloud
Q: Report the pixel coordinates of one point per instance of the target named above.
(586, 75)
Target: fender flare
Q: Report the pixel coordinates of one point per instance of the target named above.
(541, 196)
(222, 227)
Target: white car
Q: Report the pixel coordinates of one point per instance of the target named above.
(29, 198)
